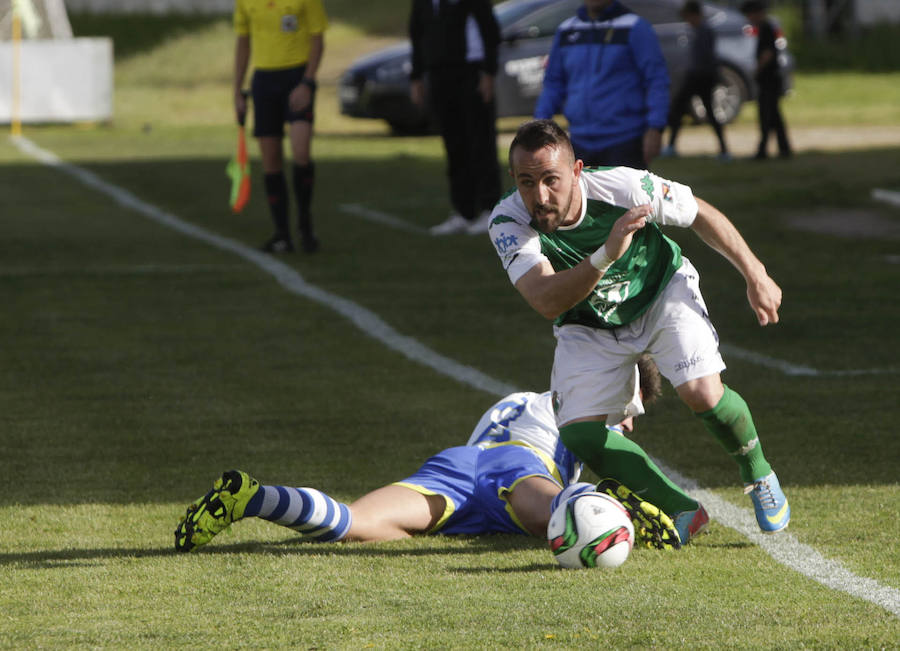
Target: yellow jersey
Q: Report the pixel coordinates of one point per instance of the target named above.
(279, 30)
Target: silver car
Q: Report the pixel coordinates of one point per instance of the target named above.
(377, 86)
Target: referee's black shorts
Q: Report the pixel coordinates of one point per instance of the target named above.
(271, 108)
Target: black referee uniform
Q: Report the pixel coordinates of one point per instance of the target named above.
(453, 42)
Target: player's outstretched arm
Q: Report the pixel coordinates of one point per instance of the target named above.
(719, 233)
(552, 292)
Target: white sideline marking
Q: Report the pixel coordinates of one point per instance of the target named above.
(747, 355)
(382, 218)
(787, 550)
(796, 369)
(782, 547)
(888, 196)
(367, 321)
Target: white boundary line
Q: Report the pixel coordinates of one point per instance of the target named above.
(382, 218)
(785, 367)
(888, 196)
(783, 547)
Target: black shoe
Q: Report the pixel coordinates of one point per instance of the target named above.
(309, 243)
(278, 243)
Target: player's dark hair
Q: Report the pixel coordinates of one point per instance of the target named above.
(651, 380)
(537, 134)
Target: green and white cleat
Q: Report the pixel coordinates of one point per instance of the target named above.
(651, 525)
(215, 511)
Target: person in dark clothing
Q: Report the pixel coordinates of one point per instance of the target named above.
(700, 79)
(768, 79)
(454, 46)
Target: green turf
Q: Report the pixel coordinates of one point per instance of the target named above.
(138, 364)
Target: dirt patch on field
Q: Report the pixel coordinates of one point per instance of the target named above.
(848, 223)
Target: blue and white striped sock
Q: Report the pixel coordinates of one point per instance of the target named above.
(305, 510)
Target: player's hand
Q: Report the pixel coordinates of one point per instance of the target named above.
(240, 106)
(652, 144)
(300, 98)
(623, 230)
(765, 299)
(486, 87)
(417, 92)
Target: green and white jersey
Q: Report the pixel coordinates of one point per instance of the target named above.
(628, 287)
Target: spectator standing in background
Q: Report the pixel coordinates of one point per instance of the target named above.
(454, 45)
(607, 75)
(287, 43)
(699, 80)
(769, 81)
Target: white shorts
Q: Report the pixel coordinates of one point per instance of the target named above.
(594, 370)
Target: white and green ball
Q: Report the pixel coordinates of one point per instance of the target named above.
(590, 530)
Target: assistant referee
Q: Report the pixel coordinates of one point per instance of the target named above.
(287, 41)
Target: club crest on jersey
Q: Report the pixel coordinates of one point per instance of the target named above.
(289, 23)
(667, 192)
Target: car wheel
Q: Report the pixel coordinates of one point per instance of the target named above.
(728, 96)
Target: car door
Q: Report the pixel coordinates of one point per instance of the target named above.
(674, 33)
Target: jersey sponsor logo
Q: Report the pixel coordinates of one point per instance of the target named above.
(505, 242)
(289, 23)
(647, 185)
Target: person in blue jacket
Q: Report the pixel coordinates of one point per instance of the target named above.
(607, 75)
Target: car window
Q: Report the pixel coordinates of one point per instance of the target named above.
(657, 12)
(543, 22)
(507, 13)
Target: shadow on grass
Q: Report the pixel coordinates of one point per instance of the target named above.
(66, 558)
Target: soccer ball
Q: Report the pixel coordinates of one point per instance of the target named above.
(590, 530)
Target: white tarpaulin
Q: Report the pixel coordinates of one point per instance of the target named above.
(64, 80)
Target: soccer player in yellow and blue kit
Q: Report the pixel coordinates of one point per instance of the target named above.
(506, 479)
(286, 39)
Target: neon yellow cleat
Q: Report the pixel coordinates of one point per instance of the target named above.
(651, 526)
(216, 510)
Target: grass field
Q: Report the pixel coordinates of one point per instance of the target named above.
(139, 362)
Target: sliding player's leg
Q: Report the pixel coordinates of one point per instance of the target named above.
(393, 512)
(236, 495)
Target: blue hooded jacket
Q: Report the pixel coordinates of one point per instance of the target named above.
(607, 76)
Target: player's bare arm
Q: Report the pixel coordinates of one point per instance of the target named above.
(551, 292)
(241, 62)
(715, 229)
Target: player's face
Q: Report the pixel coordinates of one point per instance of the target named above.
(548, 182)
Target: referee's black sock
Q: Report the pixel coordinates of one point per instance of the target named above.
(304, 176)
(276, 192)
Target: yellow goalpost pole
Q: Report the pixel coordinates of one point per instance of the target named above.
(15, 110)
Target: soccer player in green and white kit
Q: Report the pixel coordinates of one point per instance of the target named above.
(584, 248)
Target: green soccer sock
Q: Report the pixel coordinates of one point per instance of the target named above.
(732, 425)
(609, 454)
